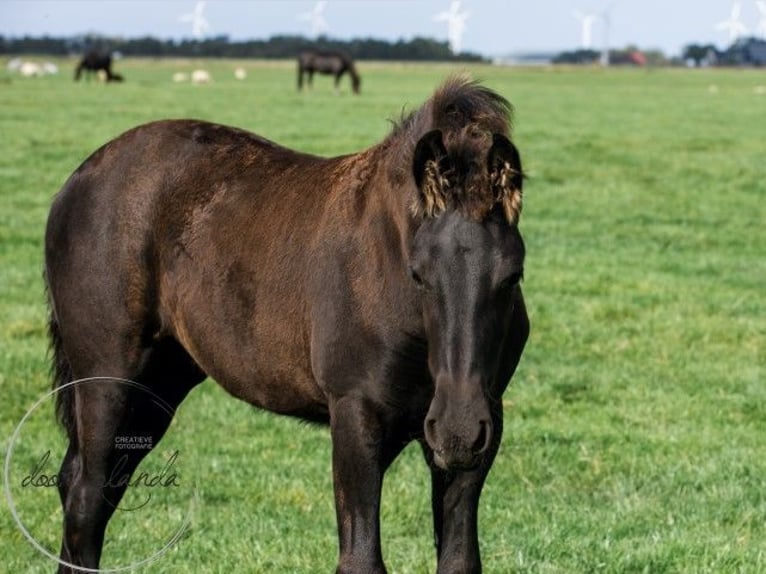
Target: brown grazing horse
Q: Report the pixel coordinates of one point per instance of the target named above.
(376, 292)
(95, 61)
(330, 63)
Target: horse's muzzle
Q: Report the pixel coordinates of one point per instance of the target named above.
(458, 431)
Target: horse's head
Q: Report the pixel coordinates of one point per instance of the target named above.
(467, 258)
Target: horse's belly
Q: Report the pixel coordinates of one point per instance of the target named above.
(289, 395)
(267, 365)
(277, 384)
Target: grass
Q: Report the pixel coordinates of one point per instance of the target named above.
(635, 426)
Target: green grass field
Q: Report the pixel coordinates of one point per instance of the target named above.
(636, 425)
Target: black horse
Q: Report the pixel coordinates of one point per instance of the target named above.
(95, 61)
(330, 63)
(378, 293)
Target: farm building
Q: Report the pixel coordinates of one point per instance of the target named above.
(745, 52)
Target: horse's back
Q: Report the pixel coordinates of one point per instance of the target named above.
(147, 190)
(162, 167)
(194, 231)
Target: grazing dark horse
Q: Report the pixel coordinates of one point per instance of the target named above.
(377, 292)
(95, 61)
(330, 63)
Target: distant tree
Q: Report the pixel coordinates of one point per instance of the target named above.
(223, 47)
(30, 45)
(144, 46)
(577, 57)
(699, 53)
(744, 52)
(655, 58)
(628, 56)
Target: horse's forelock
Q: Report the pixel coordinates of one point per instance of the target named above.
(470, 189)
(460, 101)
(468, 114)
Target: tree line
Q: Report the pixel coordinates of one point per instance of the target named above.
(743, 52)
(223, 47)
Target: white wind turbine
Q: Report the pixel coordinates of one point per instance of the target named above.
(761, 28)
(733, 25)
(586, 21)
(606, 18)
(198, 21)
(316, 19)
(455, 20)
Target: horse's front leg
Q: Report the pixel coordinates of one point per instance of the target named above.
(455, 502)
(358, 466)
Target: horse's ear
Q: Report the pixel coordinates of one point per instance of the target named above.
(429, 165)
(506, 175)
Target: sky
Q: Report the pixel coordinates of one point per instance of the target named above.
(492, 28)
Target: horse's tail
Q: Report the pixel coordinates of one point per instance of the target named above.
(61, 370)
(78, 72)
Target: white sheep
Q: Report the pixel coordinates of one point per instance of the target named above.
(201, 77)
(30, 69)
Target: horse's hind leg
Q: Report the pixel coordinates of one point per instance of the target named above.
(95, 471)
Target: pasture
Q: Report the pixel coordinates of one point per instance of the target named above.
(635, 434)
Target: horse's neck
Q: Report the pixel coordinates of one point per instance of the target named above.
(394, 192)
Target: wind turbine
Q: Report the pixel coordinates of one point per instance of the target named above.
(606, 17)
(198, 21)
(761, 28)
(316, 19)
(733, 25)
(455, 20)
(586, 20)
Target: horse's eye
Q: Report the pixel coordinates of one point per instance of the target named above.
(512, 280)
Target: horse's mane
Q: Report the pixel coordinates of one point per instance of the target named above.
(468, 114)
(457, 102)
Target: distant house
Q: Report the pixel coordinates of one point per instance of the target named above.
(755, 53)
(637, 58)
(745, 52)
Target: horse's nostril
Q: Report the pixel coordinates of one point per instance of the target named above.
(485, 436)
(430, 431)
